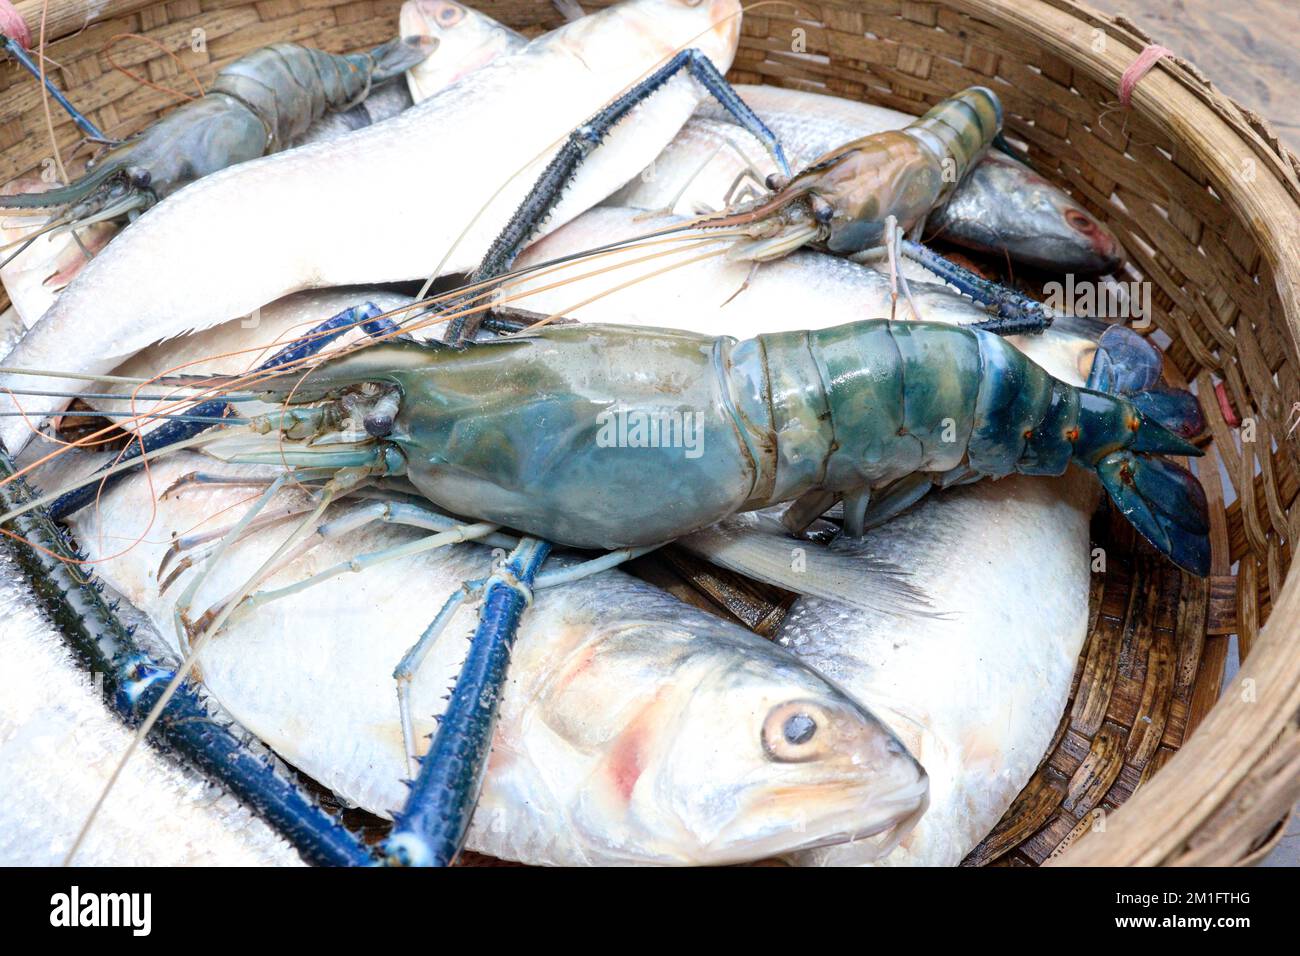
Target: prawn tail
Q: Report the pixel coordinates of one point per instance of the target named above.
(1162, 500)
(392, 59)
(1129, 366)
(962, 127)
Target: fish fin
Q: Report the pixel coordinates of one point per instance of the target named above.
(758, 545)
(1164, 502)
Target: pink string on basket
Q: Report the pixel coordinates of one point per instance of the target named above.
(13, 25)
(1151, 54)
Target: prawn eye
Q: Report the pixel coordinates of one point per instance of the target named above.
(792, 732)
(823, 211)
(140, 178)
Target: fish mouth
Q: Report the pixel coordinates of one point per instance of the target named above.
(896, 815)
(843, 815)
(1107, 253)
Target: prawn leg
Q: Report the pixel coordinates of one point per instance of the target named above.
(16, 51)
(431, 829)
(133, 679)
(1012, 312)
(367, 315)
(559, 172)
(406, 668)
(1015, 313)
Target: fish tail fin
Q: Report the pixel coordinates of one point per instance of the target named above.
(757, 544)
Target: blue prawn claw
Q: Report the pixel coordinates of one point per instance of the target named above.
(1128, 365)
(1164, 502)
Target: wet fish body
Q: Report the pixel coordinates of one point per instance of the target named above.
(172, 271)
(633, 728)
(976, 690)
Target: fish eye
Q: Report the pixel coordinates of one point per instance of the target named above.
(791, 732)
(448, 14)
(1078, 220)
(799, 729)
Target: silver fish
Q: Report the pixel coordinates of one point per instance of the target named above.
(633, 729)
(1004, 206)
(58, 746)
(236, 240)
(471, 39)
(467, 41)
(976, 690)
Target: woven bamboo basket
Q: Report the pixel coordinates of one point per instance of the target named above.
(1155, 761)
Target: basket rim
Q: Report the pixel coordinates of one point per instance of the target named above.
(1222, 759)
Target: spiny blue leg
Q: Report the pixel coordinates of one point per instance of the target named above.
(431, 829)
(559, 172)
(1017, 313)
(132, 681)
(707, 75)
(367, 315)
(411, 661)
(15, 50)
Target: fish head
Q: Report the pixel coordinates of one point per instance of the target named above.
(1004, 207)
(467, 41)
(759, 756)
